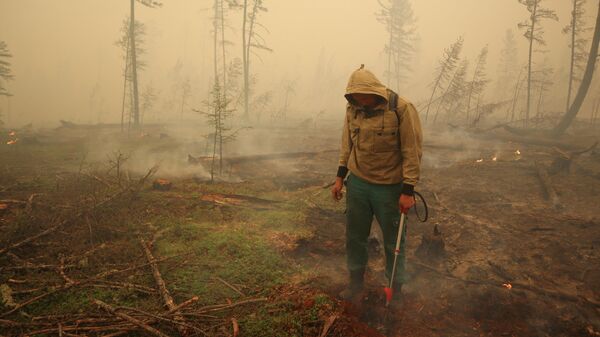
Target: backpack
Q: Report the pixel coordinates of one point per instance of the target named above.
(393, 103)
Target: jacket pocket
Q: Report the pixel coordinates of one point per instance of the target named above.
(386, 141)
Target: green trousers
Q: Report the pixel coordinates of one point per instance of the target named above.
(363, 200)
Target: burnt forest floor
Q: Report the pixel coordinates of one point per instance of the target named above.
(260, 251)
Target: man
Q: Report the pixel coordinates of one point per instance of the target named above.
(381, 147)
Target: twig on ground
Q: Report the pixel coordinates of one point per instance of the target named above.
(130, 319)
(230, 286)
(218, 307)
(515, 285)
(236, 327)
(328, 324)
(68, 286)
(61, 271)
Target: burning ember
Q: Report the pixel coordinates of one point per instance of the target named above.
(479, 161)
(12, 142)
(507, 286)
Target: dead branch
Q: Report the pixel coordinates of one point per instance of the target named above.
(57, 226)
(547, 184)
(29, 265)
(219, 307)
(129, 318)
(126, 285)
(230, 286)
(32, 238)
(515, 285)
(13, 201)
(236, 327)
(328, 324)
(155, 318)
(29, 205)
(61, 271)
(182, 305)
(162, 287)
(68, 286)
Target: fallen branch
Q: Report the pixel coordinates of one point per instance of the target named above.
(218, 307)
(68, 286)
(129, 319)
(236, 327)
(57, 226)
(162, 287)
(515, 285)
(230, 286)
(328, 325)
(61, 271)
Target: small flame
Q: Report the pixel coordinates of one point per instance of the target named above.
(479, 161)
(12, 142)
(12, 134)
(518, 153)
(495, 158)
(507, 286)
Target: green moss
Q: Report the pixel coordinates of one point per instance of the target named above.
(236, 254)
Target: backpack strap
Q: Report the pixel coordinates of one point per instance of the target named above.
(393, 103)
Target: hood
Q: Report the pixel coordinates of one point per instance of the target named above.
(363, 81)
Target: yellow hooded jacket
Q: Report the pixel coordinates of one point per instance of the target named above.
(381, 146)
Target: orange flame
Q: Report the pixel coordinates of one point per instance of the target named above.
(12, 134)
(507, 286)
(479, 161)
(12, 142)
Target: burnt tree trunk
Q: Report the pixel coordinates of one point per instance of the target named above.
(136, 104)
(570, 115)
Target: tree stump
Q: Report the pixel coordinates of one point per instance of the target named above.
(432, 246)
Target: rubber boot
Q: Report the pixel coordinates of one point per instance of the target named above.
(355, 287)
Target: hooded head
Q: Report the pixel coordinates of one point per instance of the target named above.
(363, 81)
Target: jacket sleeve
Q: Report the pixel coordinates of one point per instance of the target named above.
(411, 144)
(346, 147)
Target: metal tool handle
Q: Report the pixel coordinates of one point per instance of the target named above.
(398, 241)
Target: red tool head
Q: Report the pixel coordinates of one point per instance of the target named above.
(389, 292)
(404, 210)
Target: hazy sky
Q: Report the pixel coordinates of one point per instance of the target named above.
(64, 49)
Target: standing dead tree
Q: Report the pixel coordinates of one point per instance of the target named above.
(508, 67)
(5, 72)
(585, 82)
(251, 40)
(446, 65)
(398, 17)
(578, 44)
(543, 79)
(132, 56)
(129, 76)
(452, 98)
(478, 83)
(149, 96)
(534, 34)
